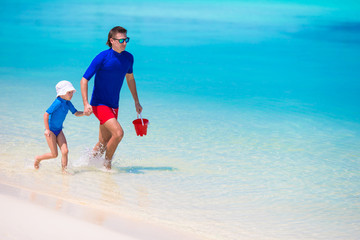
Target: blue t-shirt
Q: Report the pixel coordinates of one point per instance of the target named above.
(58, 111)
(110, 68)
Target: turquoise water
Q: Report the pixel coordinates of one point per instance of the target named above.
(253, 107)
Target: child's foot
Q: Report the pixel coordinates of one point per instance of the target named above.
(65, 172)
(36, 164)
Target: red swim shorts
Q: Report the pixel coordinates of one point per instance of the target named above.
(104, 113)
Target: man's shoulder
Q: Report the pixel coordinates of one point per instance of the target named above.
(109, 54)
(128, 55)
(100, 56)
(105, 52)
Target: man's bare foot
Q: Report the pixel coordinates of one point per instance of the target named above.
(36, 163)
(107, 164)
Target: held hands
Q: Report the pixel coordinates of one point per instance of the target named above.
(87, 110)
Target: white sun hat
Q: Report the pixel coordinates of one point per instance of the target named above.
(63, 87)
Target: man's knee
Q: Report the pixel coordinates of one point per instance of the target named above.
(113, 129)
(118, 134)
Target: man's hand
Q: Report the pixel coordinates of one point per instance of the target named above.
(138, 108)
(87, 109)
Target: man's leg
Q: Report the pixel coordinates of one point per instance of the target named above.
(117, 133)
(104, 137)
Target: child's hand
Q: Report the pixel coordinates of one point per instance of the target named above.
(88, 110)
(79, 114)
(47, 133)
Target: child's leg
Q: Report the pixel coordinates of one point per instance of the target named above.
(51, 141)
(61, 141)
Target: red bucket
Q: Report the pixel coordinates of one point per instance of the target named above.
(141, 125)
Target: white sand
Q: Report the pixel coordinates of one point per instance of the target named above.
(25, 215)
(24, 220)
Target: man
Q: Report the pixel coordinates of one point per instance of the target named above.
(110, 67)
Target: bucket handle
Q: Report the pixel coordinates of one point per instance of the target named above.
(142, 122)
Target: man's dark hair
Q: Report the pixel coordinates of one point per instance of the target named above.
(113, 32)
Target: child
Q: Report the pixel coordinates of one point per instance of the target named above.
(53, 120)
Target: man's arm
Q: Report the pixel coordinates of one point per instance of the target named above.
(84, 93)
(132, 86)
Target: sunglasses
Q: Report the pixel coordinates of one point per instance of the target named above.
(121, 40)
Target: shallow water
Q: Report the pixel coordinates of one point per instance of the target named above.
(253, 107)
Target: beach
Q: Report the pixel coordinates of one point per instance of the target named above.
(24, 220)
(254, 121)
(30, 215)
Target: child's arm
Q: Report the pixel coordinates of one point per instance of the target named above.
(46, 123)
(74, 111)
(79, 113)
